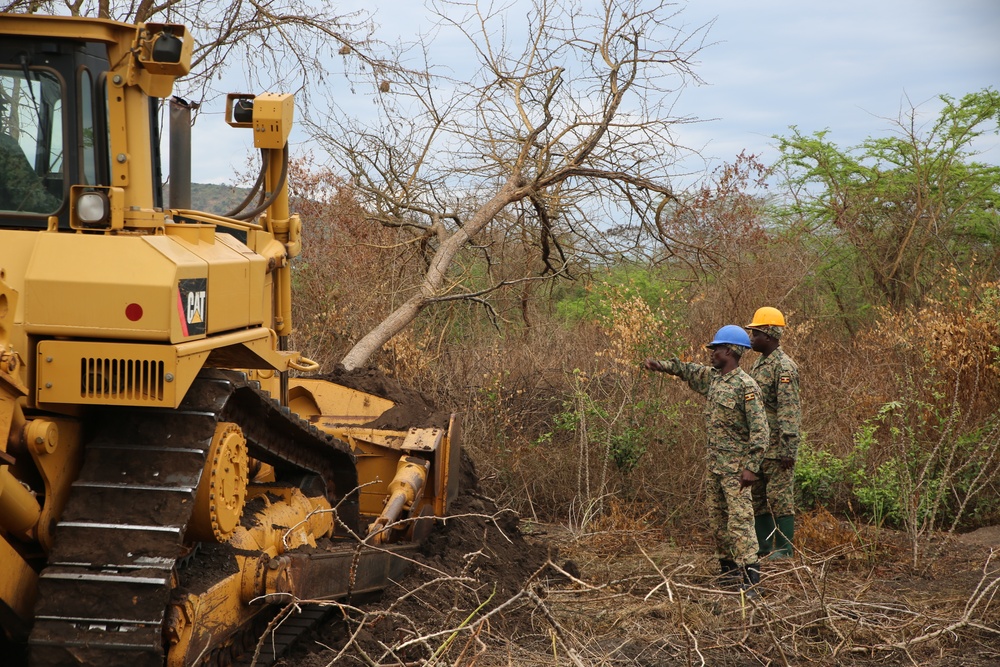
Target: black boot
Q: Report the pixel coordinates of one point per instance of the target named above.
(731, 576)
(751, 580)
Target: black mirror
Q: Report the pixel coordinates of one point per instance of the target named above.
(243, 111)
(166, 48)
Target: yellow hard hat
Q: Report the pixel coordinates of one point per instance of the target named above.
(767, 317)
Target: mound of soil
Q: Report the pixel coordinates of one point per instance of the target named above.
(412, 408)
(472, 562)
(481, 542)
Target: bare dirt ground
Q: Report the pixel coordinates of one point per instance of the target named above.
(490, 591)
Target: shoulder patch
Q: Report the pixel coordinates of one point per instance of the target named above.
(785, 379)
(750, 396)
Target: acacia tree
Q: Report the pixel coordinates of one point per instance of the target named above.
(562, 129)
(901, 209)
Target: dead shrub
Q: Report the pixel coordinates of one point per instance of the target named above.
(820, 532)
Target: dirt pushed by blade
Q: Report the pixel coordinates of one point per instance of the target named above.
(412, 407)
(472, 563)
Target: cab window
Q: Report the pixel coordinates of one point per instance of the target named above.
(31, 142)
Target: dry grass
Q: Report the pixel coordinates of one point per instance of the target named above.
(545, 399)
(627, 595)
(835, 606)
(515, 376)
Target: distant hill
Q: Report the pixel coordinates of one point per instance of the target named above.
(211, 198)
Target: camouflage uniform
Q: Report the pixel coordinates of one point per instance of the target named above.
(778, 378)
(737, 439)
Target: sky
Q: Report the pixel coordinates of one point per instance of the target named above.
(845, 66)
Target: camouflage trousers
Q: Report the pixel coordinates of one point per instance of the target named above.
(774, 490)
(730, 516)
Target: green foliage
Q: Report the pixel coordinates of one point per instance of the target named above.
(563, 422)
(592, 301)
(879, 490)
(892, 212)
(976, 447)
(910, 468)
(630, 443)
(819, 476)
(627, 448)
(626, 443)
(987, 308)
(896, 478)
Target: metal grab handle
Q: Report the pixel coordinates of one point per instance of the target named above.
(303, 364)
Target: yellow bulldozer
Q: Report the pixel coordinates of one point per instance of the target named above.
(169, 476)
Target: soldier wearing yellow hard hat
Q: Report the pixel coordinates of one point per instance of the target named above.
(774, 491)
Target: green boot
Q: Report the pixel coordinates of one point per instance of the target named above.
(783, 537)
(764, 527)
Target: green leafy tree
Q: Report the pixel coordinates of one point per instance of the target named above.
(893, 212)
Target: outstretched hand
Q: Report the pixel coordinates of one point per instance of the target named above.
(652, 365)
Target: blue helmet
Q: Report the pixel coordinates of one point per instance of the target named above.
(731, 334)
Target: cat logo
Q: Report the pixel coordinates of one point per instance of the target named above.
(192, 305)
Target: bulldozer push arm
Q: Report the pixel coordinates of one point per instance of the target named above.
(164, 483)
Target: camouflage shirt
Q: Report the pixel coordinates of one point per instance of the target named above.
(734, 415)
(778, 377)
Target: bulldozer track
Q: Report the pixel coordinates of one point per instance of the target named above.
(289, 631)
(103, 598)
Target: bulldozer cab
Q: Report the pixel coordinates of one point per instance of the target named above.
(50, 107)
(31, 151)
(79, 103)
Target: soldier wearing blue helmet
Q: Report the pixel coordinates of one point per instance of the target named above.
(737, 439)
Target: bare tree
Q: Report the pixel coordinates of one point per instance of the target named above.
(563, 127)
(288, 45)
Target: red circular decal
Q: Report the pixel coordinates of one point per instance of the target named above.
(133, 311)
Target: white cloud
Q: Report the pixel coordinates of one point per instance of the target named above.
(843, 65)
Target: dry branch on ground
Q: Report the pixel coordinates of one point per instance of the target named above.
(487, 595)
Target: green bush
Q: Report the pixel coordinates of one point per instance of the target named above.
(819, 477)
(593, 301)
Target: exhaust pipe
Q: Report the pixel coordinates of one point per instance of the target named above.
(180, 152)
